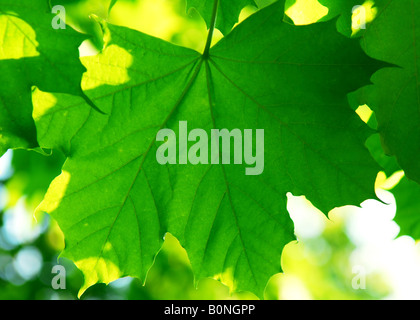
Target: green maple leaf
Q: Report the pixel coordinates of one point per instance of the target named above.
(32, 54)
(407, 195)
(228, 12)
(394, 36)
(115, 203)
(389, 165)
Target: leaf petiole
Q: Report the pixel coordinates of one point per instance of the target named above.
(211, 30)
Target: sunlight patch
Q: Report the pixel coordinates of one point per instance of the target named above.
(306, 12)
(113, 72)
(97, 270)
(13, 36)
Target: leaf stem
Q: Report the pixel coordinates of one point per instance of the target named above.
(211, 30)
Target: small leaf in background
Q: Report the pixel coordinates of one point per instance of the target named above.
(344, 11)
(407, 195)
(394, 36)
(33, 53)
